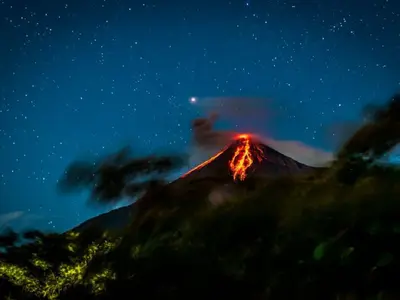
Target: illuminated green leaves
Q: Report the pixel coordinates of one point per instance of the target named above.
(67, 275)
(319, 251)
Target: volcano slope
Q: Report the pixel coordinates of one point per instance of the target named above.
(244, 159)
(290, 238)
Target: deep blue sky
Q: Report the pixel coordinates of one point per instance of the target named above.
(81, 77)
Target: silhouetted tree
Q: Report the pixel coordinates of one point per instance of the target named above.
(33, 235)
(378, 136)
(8, 239)
(119, 175)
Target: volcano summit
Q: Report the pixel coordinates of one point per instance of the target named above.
(244, 157)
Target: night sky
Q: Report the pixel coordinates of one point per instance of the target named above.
(86, 77)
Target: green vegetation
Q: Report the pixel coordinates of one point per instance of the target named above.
(334, 234)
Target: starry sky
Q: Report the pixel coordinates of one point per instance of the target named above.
(86, 77)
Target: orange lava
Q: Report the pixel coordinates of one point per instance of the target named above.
(204, 163)
(244, 156)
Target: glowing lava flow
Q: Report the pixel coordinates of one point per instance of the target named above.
(203, 163)
(244, 156)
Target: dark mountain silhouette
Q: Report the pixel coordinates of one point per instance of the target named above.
(114, 219)
(267, 162)
(271, 163)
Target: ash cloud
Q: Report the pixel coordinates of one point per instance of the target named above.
(9, 217)
(21, 220)
(301, 152)
(207, 139)
(247, 110)
(237, 108)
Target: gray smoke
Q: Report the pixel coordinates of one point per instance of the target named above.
(206, 137)
(207, 140)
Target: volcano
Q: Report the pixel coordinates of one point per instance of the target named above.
(244, 158)
(247, 157)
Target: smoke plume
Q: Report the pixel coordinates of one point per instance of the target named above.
(301, 152)
(205, 136)
(207, 139)
(238, 108)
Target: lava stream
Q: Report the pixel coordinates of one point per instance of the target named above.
(203, 163)
(244, 156)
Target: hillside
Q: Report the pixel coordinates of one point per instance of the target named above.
(287, 238)
(271, 164)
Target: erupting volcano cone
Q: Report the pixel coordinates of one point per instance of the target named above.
(244, 157)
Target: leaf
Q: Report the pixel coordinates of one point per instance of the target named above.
(319, 251)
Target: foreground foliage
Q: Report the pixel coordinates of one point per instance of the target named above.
(334, 234)
(291, 237)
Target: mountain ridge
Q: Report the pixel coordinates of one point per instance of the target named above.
(272, 164)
